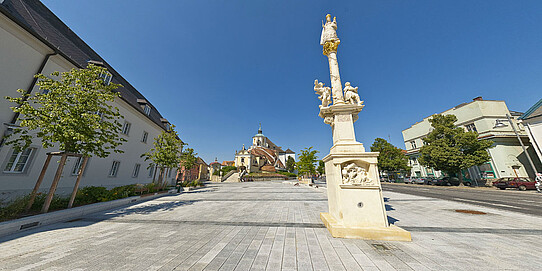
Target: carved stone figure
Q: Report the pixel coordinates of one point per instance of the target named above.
(324, 92)
(329, 31)
(351, 94)
(355, 175)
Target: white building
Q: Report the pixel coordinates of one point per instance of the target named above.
(33, 40)
(489, 119)
(532, 120)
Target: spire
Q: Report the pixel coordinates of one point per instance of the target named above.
(260, 130)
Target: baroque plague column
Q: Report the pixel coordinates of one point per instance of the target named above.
(356, 205)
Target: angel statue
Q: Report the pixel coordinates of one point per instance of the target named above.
(324, 92)
(351, 94)
(329, 30)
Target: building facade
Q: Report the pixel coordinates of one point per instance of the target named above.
(33, 40)
(200, 171)
(532, 120)
(263, 155)
(489, 119)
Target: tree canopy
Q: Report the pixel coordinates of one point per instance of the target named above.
(290, 164)
(450, 148)
(74, 111)
(166, 151)
(307, 160)
(390, 158)
(321, 167)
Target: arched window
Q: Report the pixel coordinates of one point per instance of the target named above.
(259, 142)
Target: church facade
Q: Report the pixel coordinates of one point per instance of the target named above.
(262, 156)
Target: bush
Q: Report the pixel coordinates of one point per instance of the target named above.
(227, 169)
(286, 173)
(122, 192)
(15, 208)
(91, 194)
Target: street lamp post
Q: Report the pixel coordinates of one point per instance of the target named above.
(500, 124)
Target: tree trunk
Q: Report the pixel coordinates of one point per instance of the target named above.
(55, 183)
(38, 183)
(154, 175)
(76, 186)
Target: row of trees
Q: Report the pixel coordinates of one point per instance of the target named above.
(76, 114)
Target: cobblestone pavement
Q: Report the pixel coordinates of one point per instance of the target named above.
(275, 226)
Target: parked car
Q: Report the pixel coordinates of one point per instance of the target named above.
(419, 180)
(429, 181)
(514, 182)
(445, 181)
(409, 180)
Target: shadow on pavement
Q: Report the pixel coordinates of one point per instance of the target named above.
(146, 209)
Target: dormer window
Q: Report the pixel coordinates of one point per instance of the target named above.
(166, 123)
(147, 109)
(106, 76)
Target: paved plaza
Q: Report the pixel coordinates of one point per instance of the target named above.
(275, 226)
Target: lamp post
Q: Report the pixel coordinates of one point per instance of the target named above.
(499, 124)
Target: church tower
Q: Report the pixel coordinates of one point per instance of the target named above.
(259, 140)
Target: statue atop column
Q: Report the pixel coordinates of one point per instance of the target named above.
(329, 30)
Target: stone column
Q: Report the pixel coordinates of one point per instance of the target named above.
(336, 86)
(356, 205)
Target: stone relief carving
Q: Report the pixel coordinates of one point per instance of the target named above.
(351, 95)
(324, 92)
(328, 120)
(355, 175)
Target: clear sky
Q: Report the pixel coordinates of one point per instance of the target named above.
(216, 69)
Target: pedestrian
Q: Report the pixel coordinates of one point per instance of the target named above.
(538, 181)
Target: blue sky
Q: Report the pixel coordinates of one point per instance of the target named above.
(218, 68)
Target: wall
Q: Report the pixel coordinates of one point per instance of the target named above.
(21, 55)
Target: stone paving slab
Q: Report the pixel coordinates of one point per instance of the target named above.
(275, 226)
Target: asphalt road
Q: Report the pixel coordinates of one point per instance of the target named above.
(527, 202)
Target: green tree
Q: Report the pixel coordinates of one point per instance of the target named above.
(227, 169)
(166, 153)
(321, 167)
(307, 160)
(188, 159)
(73, 112)
(451, 149)
(390, 158)
(290, 164)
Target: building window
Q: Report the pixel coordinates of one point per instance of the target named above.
(167, 126)
(169, 174)
(77, 166)
(147, 109)
(413, 144)
(18, 161)
(471, 127)
(144, 137)
(114, 169)
(242, 160)
(106, 76)
(151, 171)
(136, 170)
(126, 128)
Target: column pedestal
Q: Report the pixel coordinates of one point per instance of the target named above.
(356, 205)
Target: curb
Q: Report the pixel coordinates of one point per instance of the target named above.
(35, 221)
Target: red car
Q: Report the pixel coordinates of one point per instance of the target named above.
(514, 182)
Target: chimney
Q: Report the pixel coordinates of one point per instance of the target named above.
(479, 98)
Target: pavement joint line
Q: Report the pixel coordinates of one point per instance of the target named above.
(474, 230)
(201, 222)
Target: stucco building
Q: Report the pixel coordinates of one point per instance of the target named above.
(489, 119)
(33, 40)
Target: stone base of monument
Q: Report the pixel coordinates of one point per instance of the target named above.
(356, 206)
(390, 233)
